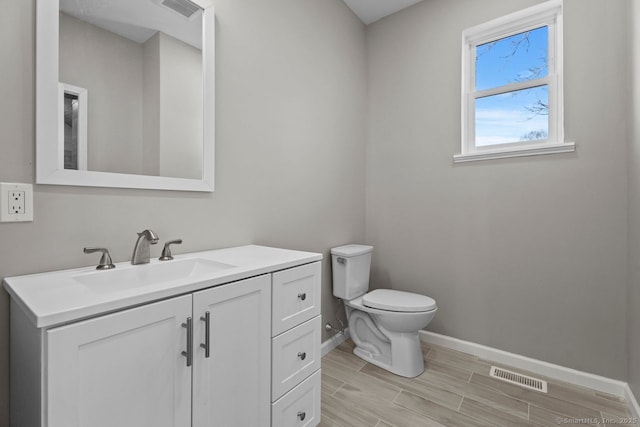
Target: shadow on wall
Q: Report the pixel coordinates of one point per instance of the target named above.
(380, 279)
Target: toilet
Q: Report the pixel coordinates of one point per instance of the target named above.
(383, 323)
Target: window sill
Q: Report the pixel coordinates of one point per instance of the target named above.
(504, 153)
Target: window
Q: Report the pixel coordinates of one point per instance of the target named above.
(512, 86)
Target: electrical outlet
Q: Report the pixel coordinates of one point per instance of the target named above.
(16, 202)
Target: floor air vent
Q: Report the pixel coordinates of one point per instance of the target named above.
(518, 379)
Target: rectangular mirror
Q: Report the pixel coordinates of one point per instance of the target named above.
(125, 93)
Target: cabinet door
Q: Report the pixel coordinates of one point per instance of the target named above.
(123, 369)
(231, 387)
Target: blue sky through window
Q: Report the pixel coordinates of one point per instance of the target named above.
(518, 115)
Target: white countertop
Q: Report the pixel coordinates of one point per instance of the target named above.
(56, 297)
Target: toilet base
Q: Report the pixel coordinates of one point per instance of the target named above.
(409, 361)
(387, 339)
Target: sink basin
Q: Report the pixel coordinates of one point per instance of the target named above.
(134, 276)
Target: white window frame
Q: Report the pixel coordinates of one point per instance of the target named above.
(547, 14)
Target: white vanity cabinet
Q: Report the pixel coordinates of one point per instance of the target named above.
(128, 369)
(197, 358)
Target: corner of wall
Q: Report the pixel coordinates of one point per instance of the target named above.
(633, 215)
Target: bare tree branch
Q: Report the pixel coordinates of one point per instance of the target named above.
(535, 135)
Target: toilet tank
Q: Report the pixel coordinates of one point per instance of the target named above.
(351, 265)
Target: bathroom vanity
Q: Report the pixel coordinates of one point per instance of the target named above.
(229, 337)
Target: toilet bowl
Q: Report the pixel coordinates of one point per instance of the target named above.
(383, 323)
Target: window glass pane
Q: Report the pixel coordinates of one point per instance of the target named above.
(513, 59)
(517, 116)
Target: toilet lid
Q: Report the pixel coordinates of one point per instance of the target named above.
(351, 250)
(391, 300)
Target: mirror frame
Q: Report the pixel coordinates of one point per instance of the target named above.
(50, 154)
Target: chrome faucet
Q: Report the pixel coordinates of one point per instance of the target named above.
(141, 250)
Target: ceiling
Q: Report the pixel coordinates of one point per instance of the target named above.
(372, 10)
(137, 20)
(140, 20)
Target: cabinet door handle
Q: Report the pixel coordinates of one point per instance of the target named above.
(302, 296)
(302, 415)
(302, 355)
(207, 333)
(189, 353)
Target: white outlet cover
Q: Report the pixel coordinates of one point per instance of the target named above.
(5, 189)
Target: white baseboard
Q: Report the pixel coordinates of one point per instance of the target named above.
(573, 376)
(334, 341)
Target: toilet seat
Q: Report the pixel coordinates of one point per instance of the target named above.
(398, 301)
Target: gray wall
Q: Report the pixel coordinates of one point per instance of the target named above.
(181, 108)
(526, 255)
(151, 106)
(633, 299)
(173, 108)
(289, 172)
(109, 66)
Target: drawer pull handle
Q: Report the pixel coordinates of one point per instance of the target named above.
(302, 415)
(188, 353)
(207, 334)
(302, 355)
(302, 296)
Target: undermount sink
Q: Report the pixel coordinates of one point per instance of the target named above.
(149, 274)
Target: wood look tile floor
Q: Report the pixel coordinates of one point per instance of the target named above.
(454, 390)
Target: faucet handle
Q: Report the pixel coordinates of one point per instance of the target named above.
(105, 260)
(166, 251)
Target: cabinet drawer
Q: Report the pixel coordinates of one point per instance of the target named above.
(300, 407)
(296, 296)
(295, 354)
